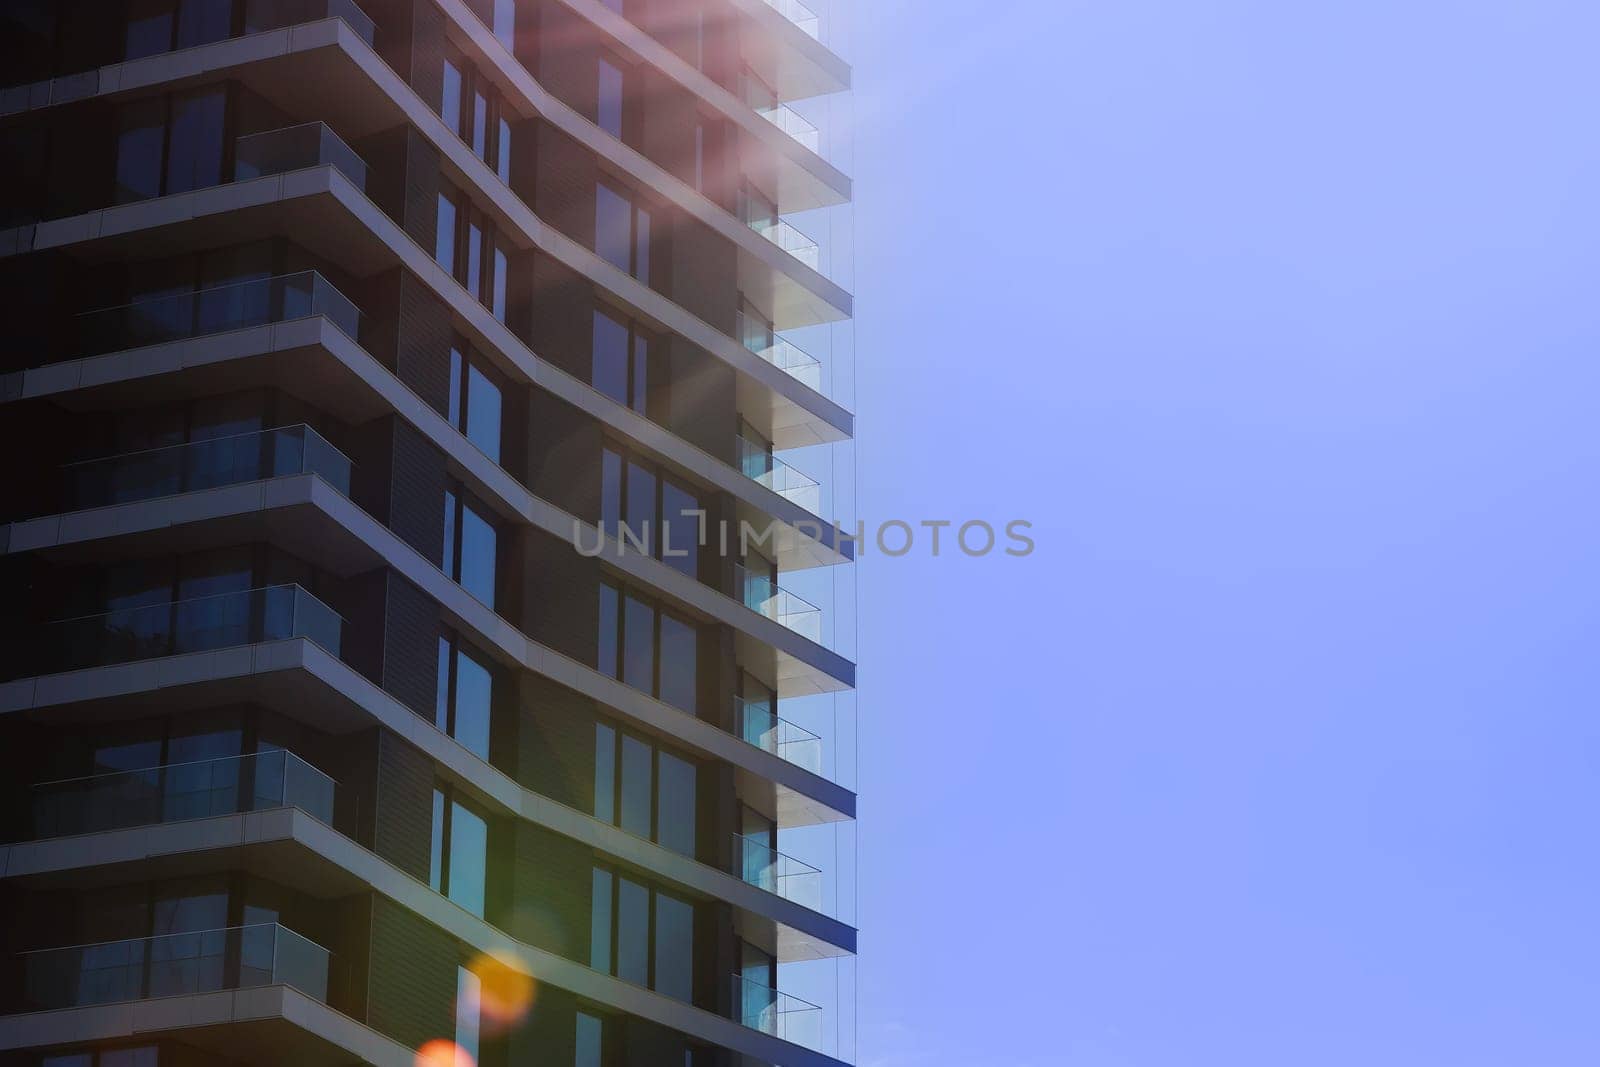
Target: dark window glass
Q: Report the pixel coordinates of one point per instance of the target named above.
(638, 645)
(680, 528)
(633, 932)
(139, 144)
(610, 366)
(450, 97)
(469, 1000)
(678, 654)
(204, 21)
(194, 156)
(674, 947)
(474, 697)
(503, 152)
(605, 773)
(456, 374)
(149, 30)
(613, 228)
(600, 921)
(444, 234)
(641, 242)
(641, 376)
(477, 555)
(608, 109)
(610, 491)
(505, 22)
(641, 505)
(451, 507)
(483, 413)
(474, 279)
(497, 300)
(459, 856)
(480, 125)
(590, 1052)
(635, 787)
(675, 792)
(436, 847)
(441, 696)
(608, 630)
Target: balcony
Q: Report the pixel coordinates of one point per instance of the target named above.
(209, 464)
(760, 1007)
(762, 727)
(765, 597)
(762, 466)
(309, 144)
(171, 965)
(221, 309)
(789, 358)
(766, 868)
(799, 14)
(789, 239)
(198, 624)
(789, 121)
(178, 792)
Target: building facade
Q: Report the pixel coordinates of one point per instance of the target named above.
(389, 385)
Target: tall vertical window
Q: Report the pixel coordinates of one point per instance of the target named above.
(171, 144)
(608, 98)
(645, 790)
(464, 243)
(662, 517)
(459, 854)
(621, 365)
(641, 935)
(588, 1042)
(505, 22)
(475, 402)
(474, 111)
(469, 546)
(465, 696)
(622, 232)
(469, 1012)
(156, 26)
(444, 232)
(631, 631)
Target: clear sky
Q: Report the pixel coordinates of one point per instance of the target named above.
(1278, 319)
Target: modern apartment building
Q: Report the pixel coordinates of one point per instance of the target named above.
(377, 377)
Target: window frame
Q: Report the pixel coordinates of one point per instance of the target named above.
(616, 877)
(623, 592)
(618, 733)
(626, 458)
(447, 798)
(457, 501)
(448, 689)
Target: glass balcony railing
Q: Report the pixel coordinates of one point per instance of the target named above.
(766, 597)
(762, 466)
(199, 624)
(760, 726)
(260, 15)
(766, 868)
(154, 320)
(789, 121)
(789, 239)
(177, 792)
(789, 358)
(760, 1007)
(310, 144)
(219, 461)
(799, 14)
(171, 965)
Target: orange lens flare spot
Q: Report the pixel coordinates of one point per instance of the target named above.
(442, 1053)
(507, 990)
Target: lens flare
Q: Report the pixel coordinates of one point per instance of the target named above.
(442, 1053)
(507, 990)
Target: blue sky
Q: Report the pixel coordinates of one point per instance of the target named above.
(1278, 321)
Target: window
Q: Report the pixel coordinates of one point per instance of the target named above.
(622, 232)
(142, 1056)
(459, 854)
(628, 642)
(505, 22)
(645, 790)
(156, 26)
(621, 365)
(474, 110)
(465, 696)
(608, 98)
(589, 1041)
(170, 144)
(641, 935)
(469, 545)
(475, 400)
(662, 517)
(469, 1006)
(464, 243)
